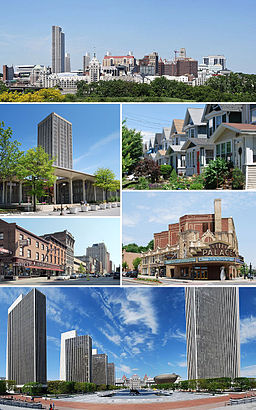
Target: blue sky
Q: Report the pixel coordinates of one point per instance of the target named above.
(149, 25)
(86, 231)
(153, 211)
(151, 118)
(95, 129)
(141, 329)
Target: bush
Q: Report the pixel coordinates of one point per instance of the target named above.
(2, 387)
(216, 173)
(238, 179)
(33, 388)
(166, 171)
(148, 168)
(142, 184)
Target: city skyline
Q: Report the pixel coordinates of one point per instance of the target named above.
(239, 27)
(86, 233)
(141, 330)
(93, 146)
(153, 211)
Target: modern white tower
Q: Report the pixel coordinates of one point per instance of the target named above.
(58, 50)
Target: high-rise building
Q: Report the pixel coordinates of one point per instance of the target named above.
(100, 369)
(54, 134)
(8, 73)
(212, 329)
(86, 62)
(58, 50)
(99, 251)
(26, 339)
(94, 69)
(111, 374)
(76, 357)
(67, 63)
(211, 61)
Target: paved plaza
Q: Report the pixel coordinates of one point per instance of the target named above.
(43, 281)
(181, 282)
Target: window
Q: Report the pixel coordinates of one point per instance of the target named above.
(202, 156)
(46, 258)
(28, 253)
(37, 244)
(209, 155)
(192, 133)
(1, 235)
(29, 241)
(42, 246)
(42, 257)
(253, 115)
(223, 150)
(37, 256)
(218, 150)
(21, 251)
(21, 237)
(218, 120)
(51, 258)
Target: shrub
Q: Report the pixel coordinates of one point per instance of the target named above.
(216, 173)
(238, 179)
(33, 388)
(142, 184)
(166, 170)
(148, 168)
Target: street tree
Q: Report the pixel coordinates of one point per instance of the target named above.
(125, 265)
(9, 156)
(81, 268)
(105, 179)
(132, 149)
(136, 262)
(36, 170)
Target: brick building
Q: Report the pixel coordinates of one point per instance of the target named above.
(197, 247)
(22, 253)
(129, 257)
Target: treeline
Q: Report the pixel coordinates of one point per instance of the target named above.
(211, 385)
(133, 247)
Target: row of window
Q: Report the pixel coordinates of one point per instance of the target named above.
(44, 258)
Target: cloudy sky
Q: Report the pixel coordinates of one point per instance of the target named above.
(95, 129)
(153, 211)
(150, 25)
(141, 329)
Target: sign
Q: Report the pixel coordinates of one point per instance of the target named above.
(216, 258)
(174, 261)
(217, 249)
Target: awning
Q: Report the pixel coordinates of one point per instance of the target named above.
(44, 268)
(2, 250)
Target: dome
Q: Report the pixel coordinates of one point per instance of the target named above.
(166, 378)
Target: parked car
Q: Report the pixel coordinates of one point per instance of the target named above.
(132, 274)
(73, 276)
(116, 275)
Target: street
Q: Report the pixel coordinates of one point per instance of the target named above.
(43, 281)
(100, 212)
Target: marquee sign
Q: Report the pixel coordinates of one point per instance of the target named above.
(217, 249)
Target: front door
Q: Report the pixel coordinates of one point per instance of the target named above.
(200, 272)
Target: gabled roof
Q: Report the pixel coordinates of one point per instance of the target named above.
(235, 127)
(202, 142)
(160, 153)
(166, 132)
(158, 138)
(177, 126)
(175, 148)
(221, 107)
(195, 114)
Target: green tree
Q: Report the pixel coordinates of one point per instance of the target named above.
(2, 387)
(105, 179)
(136, 262)
(125, 265)
(33, 388)
(81, 268)
(36, 170)
(132, 149)
(216, 173)
(9, 156)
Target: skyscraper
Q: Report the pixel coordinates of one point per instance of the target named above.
(100, 369)
(54, 134)
(212, 329)
(99, 251)
(111, 374)
(58, 50)
(26, 339)
(76, 357)
(67, 63)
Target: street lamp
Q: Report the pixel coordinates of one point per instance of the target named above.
(62, 185)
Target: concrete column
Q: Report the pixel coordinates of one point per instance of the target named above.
(84, 196)
(55, 193)
(70, 191)
(95, 195)
(20, 192)
(217, 215)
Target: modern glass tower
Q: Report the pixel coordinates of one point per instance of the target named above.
(58, 50)
(100, 369)
(26, 339)
(212, 329)
(54, 134)
(76, 357)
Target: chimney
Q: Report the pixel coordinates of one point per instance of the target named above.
(217, 215)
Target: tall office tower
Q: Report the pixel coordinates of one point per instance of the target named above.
(67, 63)
(94, 69)
(99, 251)
(54, 134)
(58, 50)
(86, 62)
(212, 329)
(100, 369)
(76, 357)
(111, 374)
(26, 339)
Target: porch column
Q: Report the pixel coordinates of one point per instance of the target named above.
(248, 150)
(70, 191)
(20, 192)
(55, 193)
(95, 196)
(84, 197)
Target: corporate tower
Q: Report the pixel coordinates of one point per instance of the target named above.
(26, 339)
(212, 331)
(58, 50)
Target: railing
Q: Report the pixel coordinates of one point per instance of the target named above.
(15, 403)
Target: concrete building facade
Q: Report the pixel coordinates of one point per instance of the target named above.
(111, 377)
(26, 339)
(99, 251)
(212, 331)
(55, 136)
(58, 50)
(100, 368)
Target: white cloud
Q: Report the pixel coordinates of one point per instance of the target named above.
(248, 329)
(129, 220)
(249, 371)
(125, 369)
(54, 340)
(174, 334)
(148, 135)
(182, 364)
(99, 144)
(113, 337)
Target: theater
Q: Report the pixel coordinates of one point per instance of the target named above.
(197, 247)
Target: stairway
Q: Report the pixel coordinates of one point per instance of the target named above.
(251, 176)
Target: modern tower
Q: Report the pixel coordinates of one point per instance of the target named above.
(94, 69)
(54, 134)
(58, 50)
(212, 329)
(98, 251)
(76, 357)
(111, 374)
(67, 63)
(100, 369)
(86, 62)
(26, 339)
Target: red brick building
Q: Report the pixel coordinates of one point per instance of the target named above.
(197, 247)
(22, 253)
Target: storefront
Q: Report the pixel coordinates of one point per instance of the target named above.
(23, 268)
